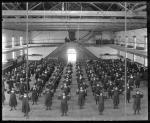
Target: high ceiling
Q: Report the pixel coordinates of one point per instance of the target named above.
(99, 16)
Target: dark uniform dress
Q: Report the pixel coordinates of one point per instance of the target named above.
(12, 100)
(110, 93)
(48, 100)
(81, 98)
(137, 102)
(101, 104)
(128, 94)
(22, 88)
(3, 95)
(97, 92)
(25, 106)
(137, 81)
(34, 95)
(64, 104)
(116, 99)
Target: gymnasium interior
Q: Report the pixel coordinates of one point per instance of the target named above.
(94, 36)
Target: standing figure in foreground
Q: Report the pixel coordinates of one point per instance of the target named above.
(3, 93)
(137, 102)
(116, 98)
(34, 94)
(81, 97)
(101, 103)
(12, 100)
(64, 105)
(25, 105)
(128, 93)
(48, 99)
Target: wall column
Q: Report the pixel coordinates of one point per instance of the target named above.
(134, 59)
(126, 45)
(126, 55)
(145, 43)
(134, 40)
(119, 40)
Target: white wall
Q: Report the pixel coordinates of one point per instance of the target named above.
(139, 33)
(59, 36)
(8, 34)
(102, 50)
(48, 36)
(106, 35)
(92, 37)
(135, 58)
(44, 51)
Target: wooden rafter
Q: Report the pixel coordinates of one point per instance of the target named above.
(110, 6)
(96, 7)
(141, 8)
(122, 6)
(137, 4)
(5, 6)
(55, 6)
(35, 6)
(19, 5)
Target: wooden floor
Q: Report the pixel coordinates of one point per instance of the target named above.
(89, 112)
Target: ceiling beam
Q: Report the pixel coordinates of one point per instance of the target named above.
(56, 29)
(73, 13)
(72, 24)
(82, 20)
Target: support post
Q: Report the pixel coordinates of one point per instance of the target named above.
(125, 56)
(134, 39)
(63, 6)
(27, 47)
(145, 43)
(126, 41)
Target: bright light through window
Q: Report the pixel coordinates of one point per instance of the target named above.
(135, 58)
(4, 58)
(146, 62)
(13, 41)
(13, 55)
(3, 41)
(21, 40)
(71, 55)
(21, 52)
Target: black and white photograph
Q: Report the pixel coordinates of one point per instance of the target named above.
(74, 61)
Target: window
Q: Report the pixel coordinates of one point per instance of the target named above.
(126, 54)
(4, 59)
(21, 40)
(3, 41)
(21, 52)
(145, 62)
(135, 58)
(13, 41)
(71, 55)
(145, 43)
(13, 55)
